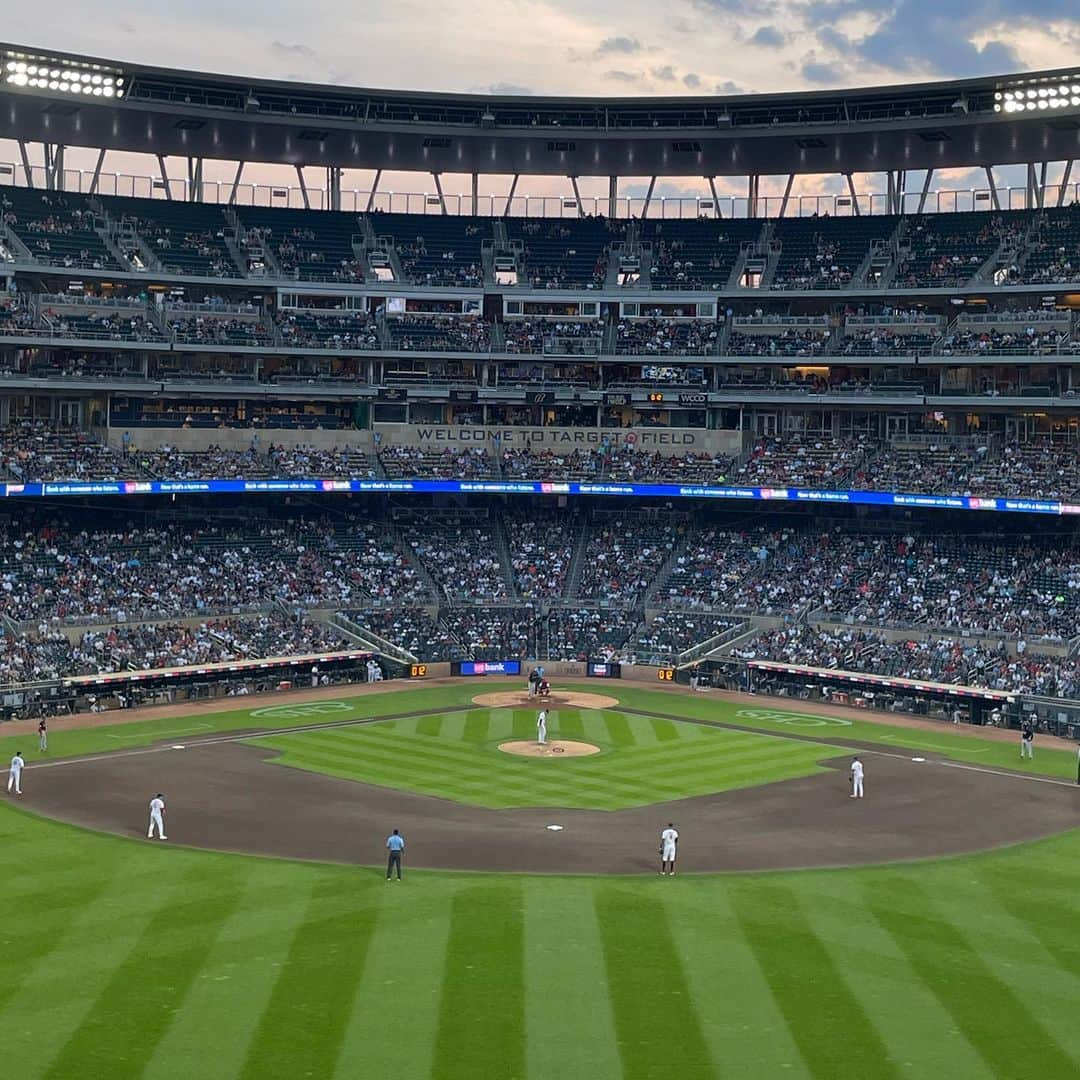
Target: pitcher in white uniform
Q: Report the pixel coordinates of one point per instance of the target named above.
(856, 779)
(541, 727)
(15, 773)
(157, 809)
(669, 841)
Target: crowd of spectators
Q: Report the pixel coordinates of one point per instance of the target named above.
(1031, 340)
(439, 333)
(671, 633)
(493, 633)
(587, 633)
(313, 330)
(667, 337)
(541, 550)
(937, 659)
(48, 653)
(463, 559)
(412, 629)
(623, 556)
(36, 450)
(467, 463)
(217, 330)
(529, 335)
(804, 461)
(793, 341)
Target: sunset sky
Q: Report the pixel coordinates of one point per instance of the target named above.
(600, 47)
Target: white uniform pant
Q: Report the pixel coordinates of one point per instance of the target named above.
(1027, 748)
(14, 781)
(541, 733)
(668, 854)
(155, 819)
(856, 786)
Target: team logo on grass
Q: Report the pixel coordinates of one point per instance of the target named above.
(303, 709)
(792, 719)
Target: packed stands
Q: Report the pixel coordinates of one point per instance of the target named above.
(412, 629)
(666, 337)
(329, 330)
(439, 333)
(671, 633)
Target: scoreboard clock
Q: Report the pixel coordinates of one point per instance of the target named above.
(418, 671)
(665, 674)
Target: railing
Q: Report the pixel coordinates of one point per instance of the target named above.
(287, 196)
(917, 319)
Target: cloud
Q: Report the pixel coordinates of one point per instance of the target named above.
(663, 74)
(280, 48)
(622, 76)
(940, 38)
(768, 37)
(816, 71)
(621, 46)
(729, 87)
(691, 81)
(505, 89)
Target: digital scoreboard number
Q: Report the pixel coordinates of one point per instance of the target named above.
(418, 671)
(665, 674)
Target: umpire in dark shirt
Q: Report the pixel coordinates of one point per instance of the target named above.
(395, 844)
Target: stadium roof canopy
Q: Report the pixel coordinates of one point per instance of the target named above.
(68, 100)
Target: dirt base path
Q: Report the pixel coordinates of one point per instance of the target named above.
(228, 796)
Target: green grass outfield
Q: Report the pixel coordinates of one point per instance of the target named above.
(123, 959)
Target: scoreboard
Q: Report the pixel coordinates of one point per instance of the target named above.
(665, 674)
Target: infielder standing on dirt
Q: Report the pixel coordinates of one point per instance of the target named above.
(14, 779)
(856, 779)
(1027, 741)
(157, 808)
(541, 727)
(669, 842)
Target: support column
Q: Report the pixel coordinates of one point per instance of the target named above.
(438, 188)
(897, 181)
(165, 177)
(648, 199)
(195, 179)
(510, 196)
(994, 201)
(854, 195)
(1042, 184)
(1031, 188)
(577, 196)
(1064, 182)
(374, 190)
(303, 187)
(753, 186)
(236, 182)
(612, 195)
(333, 186)
(925, 190)
(95, 179)
(475, 195)
(26, 164)
(787, 194)
(715, 197)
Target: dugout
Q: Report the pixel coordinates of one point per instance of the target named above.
(850, 689)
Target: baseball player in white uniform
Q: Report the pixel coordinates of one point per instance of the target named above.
(14, 780)
(541, 727)
(856, 779)
(157, 808)
(669, 840)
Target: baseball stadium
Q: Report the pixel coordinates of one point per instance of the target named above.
(429, 519)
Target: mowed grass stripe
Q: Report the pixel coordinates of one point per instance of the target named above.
(118, 1036)
(570, 1029)
(481, 1029)
(619, 731)
(235, 982)
(835, 1038)
(996, 1020)
(743, 1027)
(312, 1000)
(393, 1026)
(879, 976)
(656, 1021)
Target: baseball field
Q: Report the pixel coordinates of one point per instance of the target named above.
(928, 930)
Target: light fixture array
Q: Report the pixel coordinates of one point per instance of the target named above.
(63, 77)
(1056, 95)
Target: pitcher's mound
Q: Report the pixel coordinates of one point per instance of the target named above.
(555, 748)
(558, 699)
